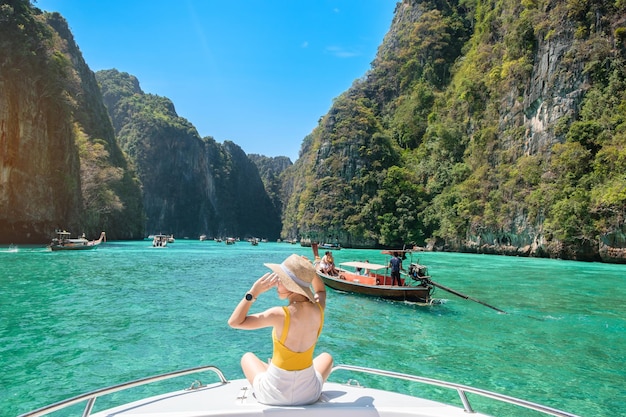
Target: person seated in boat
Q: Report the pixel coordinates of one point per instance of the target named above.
(366, 271)
(327, 264)
(323, 265)
(293, 376)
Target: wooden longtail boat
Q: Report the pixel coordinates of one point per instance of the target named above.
(64, 242)
(374, 280)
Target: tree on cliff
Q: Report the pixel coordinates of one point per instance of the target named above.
(45, 89)
(505, 119)
(190, 185)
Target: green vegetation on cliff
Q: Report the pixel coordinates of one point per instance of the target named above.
(480, 123)
(62, 166)
(191, 185)
(489, 126)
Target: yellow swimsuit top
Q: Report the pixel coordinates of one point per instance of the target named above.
(287, 359)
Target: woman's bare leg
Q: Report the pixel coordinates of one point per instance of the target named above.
(252, 365)
(323, 364)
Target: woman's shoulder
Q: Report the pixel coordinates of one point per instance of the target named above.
(276, 311)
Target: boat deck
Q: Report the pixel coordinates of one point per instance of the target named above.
(235, 398)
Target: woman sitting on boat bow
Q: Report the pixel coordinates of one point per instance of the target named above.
(293, 376)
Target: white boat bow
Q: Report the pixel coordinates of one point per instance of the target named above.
(235, 398)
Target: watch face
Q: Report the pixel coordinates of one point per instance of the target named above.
(249, 297)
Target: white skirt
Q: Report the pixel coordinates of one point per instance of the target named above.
(279, 387)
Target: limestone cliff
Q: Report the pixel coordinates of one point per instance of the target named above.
(482, 127)
(37, 189)
(191, 185)
(60, 166)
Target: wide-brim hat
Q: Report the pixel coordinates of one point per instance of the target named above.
(296, 273)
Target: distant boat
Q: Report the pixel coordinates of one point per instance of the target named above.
(63, 241)
(331, 246)
(13, 248)
(203, 238)
(160, 241)
(230, 240)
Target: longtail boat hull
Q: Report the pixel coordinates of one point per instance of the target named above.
(414, 294)
(63, 242)
(355, 284)
(72, 247)
(373, 280)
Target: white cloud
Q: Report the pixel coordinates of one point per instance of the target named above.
(340, 52)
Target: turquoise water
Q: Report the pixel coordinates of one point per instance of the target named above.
(73, 322)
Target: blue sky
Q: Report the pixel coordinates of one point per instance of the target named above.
(259, 73)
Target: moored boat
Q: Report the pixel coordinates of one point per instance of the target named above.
(236, 398)
(64, 241)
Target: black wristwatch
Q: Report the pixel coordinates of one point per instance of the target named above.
(250, 297)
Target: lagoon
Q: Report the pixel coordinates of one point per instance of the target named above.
(73, 322)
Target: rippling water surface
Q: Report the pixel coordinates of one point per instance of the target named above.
(72, 322)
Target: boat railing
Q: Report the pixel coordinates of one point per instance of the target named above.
(462, 390)
(91, 397)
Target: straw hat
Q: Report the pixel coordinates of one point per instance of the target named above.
(296, 274)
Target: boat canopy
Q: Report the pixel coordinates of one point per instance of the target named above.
(399, 251)
(364, 265)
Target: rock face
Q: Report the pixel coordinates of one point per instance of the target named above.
(554, 93)
(62, 166)
(191, 185)
(477, 129)
(613, 248)
(50, 115)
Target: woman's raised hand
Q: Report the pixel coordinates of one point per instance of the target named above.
(265, 283)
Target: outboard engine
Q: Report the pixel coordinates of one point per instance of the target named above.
(417, 271)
